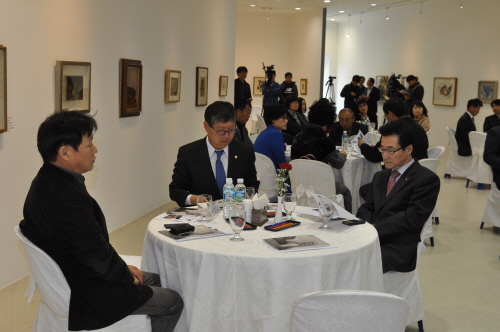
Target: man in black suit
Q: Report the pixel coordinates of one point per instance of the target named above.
(346, 123)
(243, 112)
(241, 87)
(493, 120)
(372, 97)
(465, 125)
(203, 165)
(401, 199)
(415, 90)
(491, 154)
(351, 93)
(64, 221)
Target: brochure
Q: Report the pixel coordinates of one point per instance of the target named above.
(296, 243)
(200, 232)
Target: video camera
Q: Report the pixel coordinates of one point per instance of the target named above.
(269, 70)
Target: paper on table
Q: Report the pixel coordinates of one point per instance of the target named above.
(178, 217)
(296, 243)
(200, 232)
(340, 211)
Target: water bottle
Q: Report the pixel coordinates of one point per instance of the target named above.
(345, 142)
(228, 192)
(240, 191)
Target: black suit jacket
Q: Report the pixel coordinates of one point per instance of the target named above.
(464, 127)
(337, 131)
(372, 102)
(242, 134)
(193, 172)
(63, 220)
(241, 90)
(490, 122)
(399, 217)
(491, 154)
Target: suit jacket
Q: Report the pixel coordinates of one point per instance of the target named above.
(63, 220)
(491, 154)
(372, 102)
(242, 134)
(490, 122)
(193, 172)
(241, 90)
(464, 126)
(293, 127)
(399, 217)
(350, 101)
(337, 131)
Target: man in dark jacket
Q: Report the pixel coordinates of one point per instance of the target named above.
(372, 98)
(493, 120)
(288, 88)
(346, 123)
(465, 125)
(351, 93)
(243, 111)
(241, 87)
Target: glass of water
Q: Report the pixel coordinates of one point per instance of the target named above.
(204, 205)
(289, 203)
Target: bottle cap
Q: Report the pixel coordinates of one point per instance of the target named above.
(229, 181)
(240, 180)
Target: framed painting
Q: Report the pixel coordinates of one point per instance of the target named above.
(3, 89)
(130, 87)
(445, 91)
(172, 86)
(303, 86)
(201, 86)
(487, 91)
(257, 85)
(73, 86)
(223, 85)
(381, 83)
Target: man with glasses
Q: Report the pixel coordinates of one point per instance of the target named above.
(346, 123)
(401, 199)
(203, 165)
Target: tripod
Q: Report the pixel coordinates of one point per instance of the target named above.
(330, 91)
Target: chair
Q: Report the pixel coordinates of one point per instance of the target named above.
(428, 132)
(456, 165)
(347, 310)
(435, 152)
(431, 164)
(52, 315)
(266, 173)
(255, 124)
(479, 172)
(492, 211)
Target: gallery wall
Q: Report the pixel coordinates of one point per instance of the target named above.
(136, 155)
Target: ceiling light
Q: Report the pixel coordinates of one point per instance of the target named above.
(332, 19)
(387, 17)
(327, 1)
(341, 11)
(298, 8)
(373, 4)
(252, 5)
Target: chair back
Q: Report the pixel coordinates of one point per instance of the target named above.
(479, 172)
(456, 165)
(266, 173)
(452, 141)
(430, 163)
(428, 132)
(347, 310)
(435, 152)
(453, 131)
(256, 123)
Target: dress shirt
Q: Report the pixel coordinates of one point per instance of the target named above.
(403, 169)
(471, 116)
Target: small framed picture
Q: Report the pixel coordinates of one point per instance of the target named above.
(130, 87)
(257, 85)
(3, 89)
(445, 91)
(223, 85)
(73, 86)
(172, 86)
(487, 91)
(381, 84)
(303, 86)
(201, 86)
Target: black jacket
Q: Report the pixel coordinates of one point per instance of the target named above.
(464, 126)
(490, 122)
(288, 89)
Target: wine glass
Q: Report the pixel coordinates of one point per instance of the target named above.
(204, 205)
(237, 221)
(325, 212)
(289, 203)
(250, 192)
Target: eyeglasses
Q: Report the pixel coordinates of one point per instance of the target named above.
(388, 151)
(284, 118)
(231, 131)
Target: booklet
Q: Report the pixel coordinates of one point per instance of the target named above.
(296, 243)
(200, 232)
(178, 217)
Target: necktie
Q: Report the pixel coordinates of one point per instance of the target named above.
(392, 182)
(220, 175)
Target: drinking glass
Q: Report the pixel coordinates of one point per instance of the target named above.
(204, 205)
(250, 192)
(325, 212)
(237, 221)
(289, 203)
(372, 126)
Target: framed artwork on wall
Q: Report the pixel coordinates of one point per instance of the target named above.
(445, 91)
(223, 85)
(257, 85)
(130, 87)
(201, 86)
(487, 91)
(381, 83)
(73, 86)
(3, 89)
(303, 86)
(172, 86)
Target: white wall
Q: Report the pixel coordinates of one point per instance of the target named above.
(444, 41)
(136, 155)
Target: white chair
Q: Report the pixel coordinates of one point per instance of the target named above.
(435, 152)
(456, 165)
(479, 171)
(266, 173)
(255, 124)
(347, 310)
(492, 211)
(314, 176)
(431, 164)
(52, 315)
(428, 132)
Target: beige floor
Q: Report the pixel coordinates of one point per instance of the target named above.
(459, 276)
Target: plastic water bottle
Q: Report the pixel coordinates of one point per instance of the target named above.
(228, 192)
(345, 142)
(240, 191)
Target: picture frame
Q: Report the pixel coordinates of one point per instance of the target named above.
(130, 87)
(381, 84)
(487, 91)
(257, 85)
(223, 81)
(201, 86)
(3, 89)
(303, 86)
(73, 80)
(173, 86)
(444, 91)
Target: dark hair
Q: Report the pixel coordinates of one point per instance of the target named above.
(410, 78)
(301, 102)
(495, 102)
(288, 74)
(356, 78)
(361, 101)
(289, 100)
(63, 128)
(220, 111)
(241, 104)
(396, 106)
(474, 103)
(274, 112)
(241, 69)
(400, 129)
(322, 113)
(418, 103)
(371, 79)
(361, 77)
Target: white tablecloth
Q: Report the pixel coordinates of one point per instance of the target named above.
(246, 286)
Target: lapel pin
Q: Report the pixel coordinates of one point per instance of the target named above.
(235, 157)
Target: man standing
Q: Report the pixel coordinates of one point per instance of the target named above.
(288, 88)
(493, 120)
(372, 97)
(243, 112)
(401, 199)
(270, 91)
(465, 125)
(362, 87)
(415, 90)
(241, 87)
(346, 123)
(64, 221)
(351, 93)
(203, 165)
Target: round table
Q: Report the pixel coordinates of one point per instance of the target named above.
(246, 286)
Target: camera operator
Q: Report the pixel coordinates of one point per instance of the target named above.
(270, 88)
(395, 89)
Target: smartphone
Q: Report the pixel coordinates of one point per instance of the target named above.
(174, 225)
(352, 222)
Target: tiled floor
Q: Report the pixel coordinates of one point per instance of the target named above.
(459, 276)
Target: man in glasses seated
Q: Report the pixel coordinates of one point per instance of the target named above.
(203, 165)
(401, 199)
